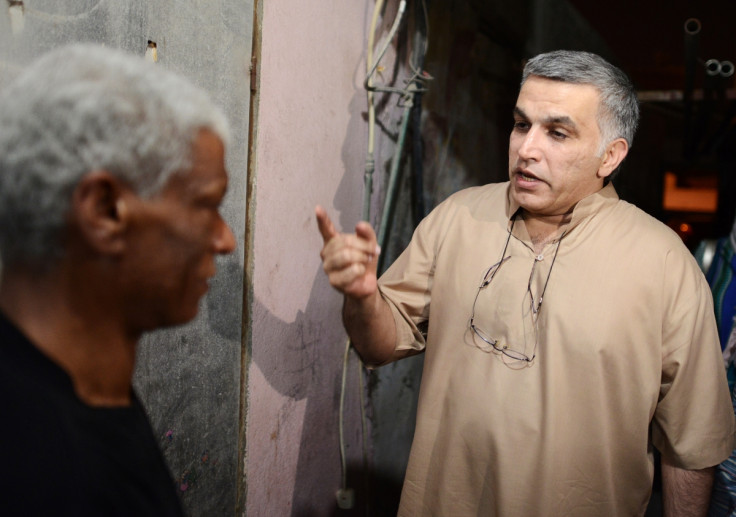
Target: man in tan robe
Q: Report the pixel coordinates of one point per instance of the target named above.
(569, 333)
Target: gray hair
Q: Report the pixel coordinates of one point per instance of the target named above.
(619, 116)
(84, 108)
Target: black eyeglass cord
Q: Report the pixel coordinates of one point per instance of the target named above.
(549, 273)
(538, 258)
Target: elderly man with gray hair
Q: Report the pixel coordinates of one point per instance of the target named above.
(566, 333)
(111, 176)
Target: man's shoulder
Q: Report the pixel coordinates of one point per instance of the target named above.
(638, 224)
(653, 246)
(481, 203)
(488, 190)
(485, 198)
(37, 397)
(43, 450)
(38, 404)
(79, 451)
(27, 372)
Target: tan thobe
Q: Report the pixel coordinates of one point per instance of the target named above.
(627, 357)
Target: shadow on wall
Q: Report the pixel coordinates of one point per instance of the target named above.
(302, 360)
(298, 368)
(297, 362)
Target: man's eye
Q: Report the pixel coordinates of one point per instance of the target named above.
(521, 125)
(558, 135)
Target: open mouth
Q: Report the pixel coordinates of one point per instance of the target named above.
(526, 176)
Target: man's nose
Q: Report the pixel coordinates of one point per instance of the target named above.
(529, 148)
(225, 239)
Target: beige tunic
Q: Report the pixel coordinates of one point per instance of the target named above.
(627, 357)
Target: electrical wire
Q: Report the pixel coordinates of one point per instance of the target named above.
(346, 356)
(369, 65)
(368, 190)
(393, 182)
(364, 428)
(414, 84)
(386, 43)
(369, 160)
(363, 420)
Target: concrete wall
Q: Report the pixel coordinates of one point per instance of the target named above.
(189, 378)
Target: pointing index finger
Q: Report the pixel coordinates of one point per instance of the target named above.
(326, 228)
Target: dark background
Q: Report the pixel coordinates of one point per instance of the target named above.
(647, 39)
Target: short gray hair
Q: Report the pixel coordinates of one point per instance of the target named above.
(620, 114)
(83, 108)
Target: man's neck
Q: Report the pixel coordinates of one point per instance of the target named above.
(65, 321)
(543, 229)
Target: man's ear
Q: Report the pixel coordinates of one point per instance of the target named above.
(614, 154)
(100, 213)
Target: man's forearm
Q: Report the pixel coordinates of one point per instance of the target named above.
(686, 492)
(371, 327)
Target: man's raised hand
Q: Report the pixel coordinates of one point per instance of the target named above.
(350, 260)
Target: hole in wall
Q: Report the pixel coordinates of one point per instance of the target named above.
(16, 11)
(151, 52)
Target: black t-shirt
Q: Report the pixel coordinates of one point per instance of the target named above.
(61, 457)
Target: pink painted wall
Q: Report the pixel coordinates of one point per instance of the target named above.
(310, 147)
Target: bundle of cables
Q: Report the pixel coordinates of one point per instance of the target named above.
(414, 86)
